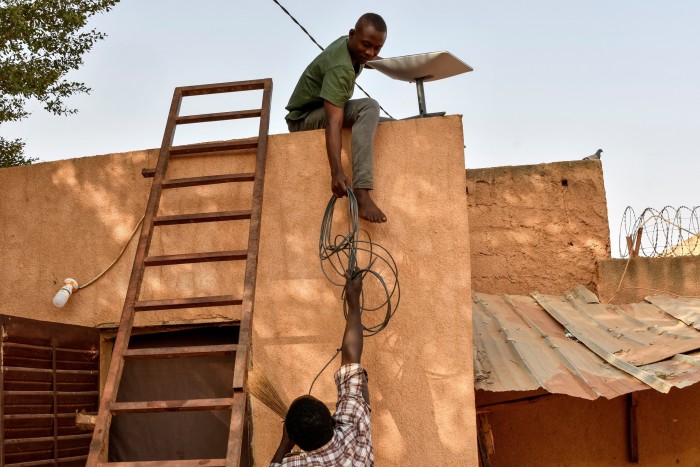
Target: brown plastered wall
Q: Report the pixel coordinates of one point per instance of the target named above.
(648, 276)
(537, 227)
(71, 218)
(575, 432)
(419, 366)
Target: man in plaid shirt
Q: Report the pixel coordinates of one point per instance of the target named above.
(344, 439)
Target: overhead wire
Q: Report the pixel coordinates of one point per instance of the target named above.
(320, 47)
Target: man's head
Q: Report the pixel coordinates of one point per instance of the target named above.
(367, 38)
(309, 423)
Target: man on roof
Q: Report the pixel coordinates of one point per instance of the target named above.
(321, 99)
(345, 438)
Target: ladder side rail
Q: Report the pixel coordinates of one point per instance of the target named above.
(241, 365)
(240, 372)
(104, 416)
(235, 435)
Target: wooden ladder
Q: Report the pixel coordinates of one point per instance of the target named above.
(237, 402)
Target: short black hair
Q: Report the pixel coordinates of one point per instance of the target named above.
(309, 423)
(372, 19)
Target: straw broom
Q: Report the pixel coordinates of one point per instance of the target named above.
(261, 387)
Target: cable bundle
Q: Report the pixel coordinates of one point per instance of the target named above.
(341, 253)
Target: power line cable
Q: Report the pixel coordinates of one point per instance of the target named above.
(298, 24)
(319, 46)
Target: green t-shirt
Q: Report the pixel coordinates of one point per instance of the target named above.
(329, 77)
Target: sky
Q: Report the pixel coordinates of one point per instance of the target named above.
(553, 80)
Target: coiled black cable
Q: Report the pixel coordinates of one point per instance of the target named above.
(341, 253)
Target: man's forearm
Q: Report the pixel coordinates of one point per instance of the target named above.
(334, 145)
(353, 339)
(283, 449)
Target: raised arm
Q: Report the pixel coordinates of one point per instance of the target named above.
(334, 143)
(352, 339)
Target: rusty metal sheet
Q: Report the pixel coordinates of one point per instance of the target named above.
(519, 347)
(657, 320)
(682, 308)
(494, 366)
(680, 371)
(521, 344)
(632, 340)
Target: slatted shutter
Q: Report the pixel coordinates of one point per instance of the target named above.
(50, 371)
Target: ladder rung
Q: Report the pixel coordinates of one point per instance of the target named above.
(172, 406)
(175, 352)
(242, 177)
(202, 217)
(208, 180)
(217, 88)
(196, 258)
(215, 117)
(195, 302)
(173, 463)
(218, 146)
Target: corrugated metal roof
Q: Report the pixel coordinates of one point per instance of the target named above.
(521, 344)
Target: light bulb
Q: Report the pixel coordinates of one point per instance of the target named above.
(65, 292)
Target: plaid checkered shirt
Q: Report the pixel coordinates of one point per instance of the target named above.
(351, 444)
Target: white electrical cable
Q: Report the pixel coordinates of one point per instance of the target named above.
(118, 257)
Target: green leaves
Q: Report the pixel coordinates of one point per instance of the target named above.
(40, 42)
(11, 153)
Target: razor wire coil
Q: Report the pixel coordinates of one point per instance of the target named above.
(661, 233)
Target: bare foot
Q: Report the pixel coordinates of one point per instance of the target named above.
(366, 207)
